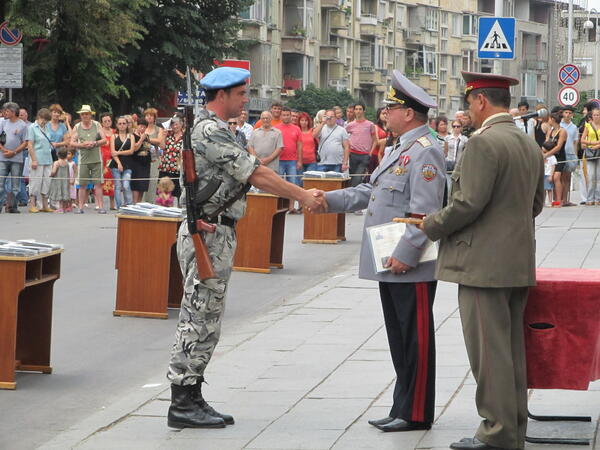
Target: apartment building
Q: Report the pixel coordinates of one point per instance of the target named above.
(355, 44)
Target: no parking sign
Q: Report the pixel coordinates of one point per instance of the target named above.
(9, 37)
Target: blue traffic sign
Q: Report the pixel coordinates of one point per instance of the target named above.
(496, 38)
(9, 36)
(569, 74)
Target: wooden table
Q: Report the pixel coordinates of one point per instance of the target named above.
(149, 278)
(26, 285)
(260, 234)
(324, 228)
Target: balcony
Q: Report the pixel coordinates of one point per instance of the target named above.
(294, 44)
(329, 53)
(337, 71)
(370, 76)
(369, 25)
(534, 64)
(338, 20)
(250, 31)
(331, 4)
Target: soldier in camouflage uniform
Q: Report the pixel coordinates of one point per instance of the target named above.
(218, 159)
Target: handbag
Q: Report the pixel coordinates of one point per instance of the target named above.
(3, 137)
(592, 153)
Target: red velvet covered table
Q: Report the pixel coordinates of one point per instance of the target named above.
(562, 331)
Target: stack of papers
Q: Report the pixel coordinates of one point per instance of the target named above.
(26, 247)
(319, 174)
(149, 209)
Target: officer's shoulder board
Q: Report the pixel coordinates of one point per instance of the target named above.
(481, 130)
(425, 141)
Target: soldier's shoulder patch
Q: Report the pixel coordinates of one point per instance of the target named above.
(208, 127)
(424, 141)
(481, 130)
(429, 172)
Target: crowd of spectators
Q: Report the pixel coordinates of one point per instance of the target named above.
(133, 158)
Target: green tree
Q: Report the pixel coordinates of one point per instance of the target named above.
(313, 99)
(73, 50)
(180, 33)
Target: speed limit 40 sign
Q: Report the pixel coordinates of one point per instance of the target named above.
(568, 96)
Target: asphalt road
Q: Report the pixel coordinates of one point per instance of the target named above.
(97, 358)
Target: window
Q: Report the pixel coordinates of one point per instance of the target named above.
(400, 15)
(381, 11)
(442, 104)
(443, 90)
(399, 59)
(443, 75)
(469, 25)
(508, 8)
(257, 11)
(429, 65)
(444, 18)
(454, 66)
(468, 60)
(379, 58)
(431, 19)
(529, 83)
(443, 61)
(443, 46)
(455, 103)
(456, 25)
(444, 32)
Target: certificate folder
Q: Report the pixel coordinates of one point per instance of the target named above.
(384, 239)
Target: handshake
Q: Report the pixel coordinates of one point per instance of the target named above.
(315, 202)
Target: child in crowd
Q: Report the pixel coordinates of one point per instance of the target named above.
(59, 185)
(163, 189)
(72, 176)
(549, 164)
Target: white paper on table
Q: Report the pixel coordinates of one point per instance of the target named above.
(384, 239)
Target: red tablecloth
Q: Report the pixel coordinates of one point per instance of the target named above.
(562, 329)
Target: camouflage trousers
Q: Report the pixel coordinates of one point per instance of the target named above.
(202, 306)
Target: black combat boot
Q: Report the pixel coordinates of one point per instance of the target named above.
(206, 407)
(185, 412)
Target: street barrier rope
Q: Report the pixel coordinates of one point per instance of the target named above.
(101, 180)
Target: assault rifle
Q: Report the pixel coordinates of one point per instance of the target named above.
(195, 224)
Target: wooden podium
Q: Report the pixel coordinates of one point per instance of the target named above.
(260, 234)
(324, 228)
(26, 285)
(149, 279)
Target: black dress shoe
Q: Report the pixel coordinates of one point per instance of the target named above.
(14, 211)
(472, 444)
(403, 425)
(376, 422)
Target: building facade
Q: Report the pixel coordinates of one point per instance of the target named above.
(355, 44)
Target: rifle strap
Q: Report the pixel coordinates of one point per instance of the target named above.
(231, 200)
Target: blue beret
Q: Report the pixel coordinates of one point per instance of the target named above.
(224, 77)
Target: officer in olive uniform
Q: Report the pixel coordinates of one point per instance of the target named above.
(408, 181)
(225, 169)
(487, 247)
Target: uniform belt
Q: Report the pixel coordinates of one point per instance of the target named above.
(223, 220)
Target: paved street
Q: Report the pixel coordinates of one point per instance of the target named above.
(300, 369)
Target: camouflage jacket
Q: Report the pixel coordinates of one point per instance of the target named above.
(218, 156)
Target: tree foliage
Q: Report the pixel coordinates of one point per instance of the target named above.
(73, 50)
(123, 53)
(180, 33)
(312, 99)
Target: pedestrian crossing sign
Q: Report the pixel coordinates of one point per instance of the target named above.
(496, 38)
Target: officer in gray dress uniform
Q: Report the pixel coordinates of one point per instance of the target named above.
(227, 169)
(408, 182)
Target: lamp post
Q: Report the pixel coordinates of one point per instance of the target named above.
(589, 25)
